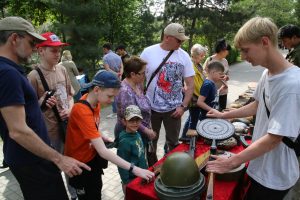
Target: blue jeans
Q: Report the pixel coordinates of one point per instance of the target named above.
(191, 121)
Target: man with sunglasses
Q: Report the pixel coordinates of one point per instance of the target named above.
(165, 90)
(58, 81)
(26, 144)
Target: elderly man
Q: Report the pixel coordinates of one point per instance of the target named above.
(26, 144)
(165, 89)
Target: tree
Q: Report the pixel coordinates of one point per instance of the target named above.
(210, 19)
(297, 12)
(35, 10)
(79, 24)
(282, 12)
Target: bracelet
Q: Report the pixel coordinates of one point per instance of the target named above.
(131, 167)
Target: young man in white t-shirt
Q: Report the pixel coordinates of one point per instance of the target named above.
(166, 90)
(273, 167)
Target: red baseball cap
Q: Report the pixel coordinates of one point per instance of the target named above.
(51, 41)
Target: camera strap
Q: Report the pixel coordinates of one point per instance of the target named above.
(46, 88)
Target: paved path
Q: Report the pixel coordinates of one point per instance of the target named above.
(240, 75)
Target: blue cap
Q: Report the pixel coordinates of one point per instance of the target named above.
(104, 79)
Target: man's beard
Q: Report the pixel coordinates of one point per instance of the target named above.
(25, 61)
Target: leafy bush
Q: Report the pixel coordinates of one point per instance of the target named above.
(232, 56)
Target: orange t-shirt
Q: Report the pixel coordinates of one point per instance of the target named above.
(81, 129)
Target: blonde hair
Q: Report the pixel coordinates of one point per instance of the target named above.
(197, 49)
(254, 29)
(66, 55)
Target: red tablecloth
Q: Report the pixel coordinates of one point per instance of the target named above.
(222, 190)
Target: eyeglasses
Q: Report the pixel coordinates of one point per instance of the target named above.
(178, 41)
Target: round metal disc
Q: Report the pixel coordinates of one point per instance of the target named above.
(215, 129)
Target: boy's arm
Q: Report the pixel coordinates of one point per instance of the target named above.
(112, 157)
(201, 103)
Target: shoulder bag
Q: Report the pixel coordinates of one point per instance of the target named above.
(62, 124)
(157, 70)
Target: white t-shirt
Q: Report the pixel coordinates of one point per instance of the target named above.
(165, 90)
(279, 168)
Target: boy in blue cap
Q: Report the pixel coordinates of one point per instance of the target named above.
(85, 142)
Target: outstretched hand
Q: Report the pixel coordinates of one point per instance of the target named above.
(220, 165)
(213, 113)
(143, 173)
(71, 166)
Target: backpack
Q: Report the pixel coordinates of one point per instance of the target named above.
(287, 141)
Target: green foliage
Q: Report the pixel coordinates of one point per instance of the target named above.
(88, 24)
(80, 26)
(297, 11)
(232, 56)
(282, 12)
(35, 10)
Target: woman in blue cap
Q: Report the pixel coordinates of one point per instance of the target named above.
(85, 142)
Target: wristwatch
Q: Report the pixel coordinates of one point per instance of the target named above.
(185, 108)
(131, 167)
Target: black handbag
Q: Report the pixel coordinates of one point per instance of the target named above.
(62, 124)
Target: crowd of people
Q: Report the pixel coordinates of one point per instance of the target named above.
(50, 118)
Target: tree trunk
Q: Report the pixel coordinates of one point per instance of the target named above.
(192, 30)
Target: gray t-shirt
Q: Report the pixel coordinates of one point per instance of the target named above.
(279, 168)
(113, 60)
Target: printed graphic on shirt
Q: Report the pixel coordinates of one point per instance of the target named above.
(62, 96)
(169, 86)
(139, 147)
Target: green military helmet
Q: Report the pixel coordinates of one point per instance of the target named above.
(179, 170)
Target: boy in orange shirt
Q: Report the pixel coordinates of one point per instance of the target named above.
(86, 143)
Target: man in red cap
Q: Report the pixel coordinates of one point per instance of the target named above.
(58, 81)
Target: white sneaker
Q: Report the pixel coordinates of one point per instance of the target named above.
(111, 116)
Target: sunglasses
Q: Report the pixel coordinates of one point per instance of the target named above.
(31, 42)
(178, 41)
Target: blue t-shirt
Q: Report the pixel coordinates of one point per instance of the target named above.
(113, 60)
(16, 90)
(208, 90)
